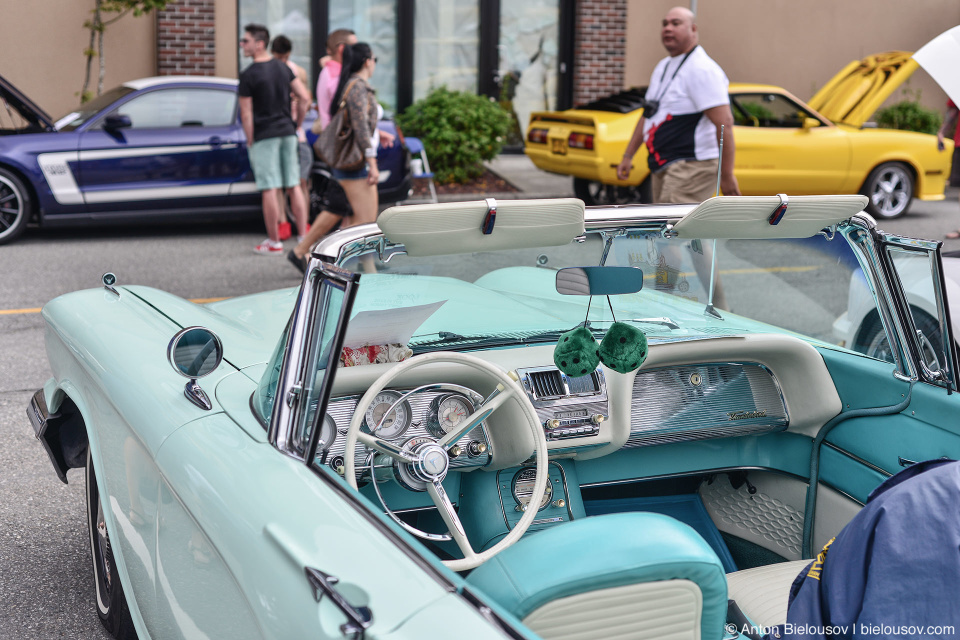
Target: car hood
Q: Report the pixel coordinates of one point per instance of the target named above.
(24, 105)
(940, 58)
(854, 94)
(248, 326)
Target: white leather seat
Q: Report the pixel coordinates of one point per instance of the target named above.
(762, 593)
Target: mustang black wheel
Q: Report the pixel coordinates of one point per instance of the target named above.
(111, 603)
(593, 192)
(15, 206)
(890, 189)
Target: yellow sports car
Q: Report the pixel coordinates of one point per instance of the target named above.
(783, 144)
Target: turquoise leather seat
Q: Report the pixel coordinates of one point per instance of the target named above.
(626, 575)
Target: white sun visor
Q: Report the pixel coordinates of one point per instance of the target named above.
(941, 59)
(749, 217)
(483, 225)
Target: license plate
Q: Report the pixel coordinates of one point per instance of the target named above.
(559, 146)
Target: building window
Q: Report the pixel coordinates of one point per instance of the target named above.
(528, 50)
(290, 18)
(447, 37)
(374, 22)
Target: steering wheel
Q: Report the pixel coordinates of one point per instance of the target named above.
(429, 461)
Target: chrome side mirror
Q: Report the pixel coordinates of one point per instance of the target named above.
(195, 352)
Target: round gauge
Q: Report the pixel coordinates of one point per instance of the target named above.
(395, 423)
(328, 432)
(451, 411)
(523, 488)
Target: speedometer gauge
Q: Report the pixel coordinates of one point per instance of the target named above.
(446, 413)
(395, 423)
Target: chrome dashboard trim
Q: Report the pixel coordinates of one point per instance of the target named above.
(758, 401)
(341, 409)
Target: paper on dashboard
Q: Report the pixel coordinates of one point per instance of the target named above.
(388, 326)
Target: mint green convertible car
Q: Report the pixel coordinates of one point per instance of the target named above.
(499, 420)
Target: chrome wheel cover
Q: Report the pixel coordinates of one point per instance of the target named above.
(890, 191)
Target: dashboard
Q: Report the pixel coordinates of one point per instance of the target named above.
(686, 390)
(708, 388)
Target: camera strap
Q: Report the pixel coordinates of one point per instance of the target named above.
(663, 89)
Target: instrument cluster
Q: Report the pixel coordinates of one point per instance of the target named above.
(399, 415)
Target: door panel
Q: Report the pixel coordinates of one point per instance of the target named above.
(183, 149)
(776, 154)
(860, 453)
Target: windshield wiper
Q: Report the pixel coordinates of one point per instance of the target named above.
(665, 321)
(445, 336)
(448, 337)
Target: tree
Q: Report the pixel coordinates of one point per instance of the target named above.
(98, 24)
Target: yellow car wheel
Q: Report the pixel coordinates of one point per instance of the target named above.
(890, 189)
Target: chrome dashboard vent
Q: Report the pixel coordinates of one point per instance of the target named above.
(547, 384)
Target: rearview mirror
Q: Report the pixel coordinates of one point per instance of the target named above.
(810, 123)
(599, 281)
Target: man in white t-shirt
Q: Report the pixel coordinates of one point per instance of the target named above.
(682, 132)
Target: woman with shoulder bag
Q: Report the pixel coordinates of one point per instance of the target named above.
(357, 97)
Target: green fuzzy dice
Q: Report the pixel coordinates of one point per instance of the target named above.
(624, 348)
(576, 353)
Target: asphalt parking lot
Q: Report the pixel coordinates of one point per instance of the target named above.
(45, 577)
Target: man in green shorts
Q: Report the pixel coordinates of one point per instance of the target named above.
(265, 88)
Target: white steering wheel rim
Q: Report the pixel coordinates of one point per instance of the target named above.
(472, 559)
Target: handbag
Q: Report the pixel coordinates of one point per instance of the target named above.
(337, 144)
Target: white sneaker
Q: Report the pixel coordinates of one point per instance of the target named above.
(269, 248)
(299, 240)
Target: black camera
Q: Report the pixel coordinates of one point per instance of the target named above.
(649, 107)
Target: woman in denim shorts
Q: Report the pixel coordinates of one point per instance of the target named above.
(358, 97)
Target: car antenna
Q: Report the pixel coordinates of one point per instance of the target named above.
(710, 311)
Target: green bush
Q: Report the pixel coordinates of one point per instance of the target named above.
(909, 115)
(459, 130)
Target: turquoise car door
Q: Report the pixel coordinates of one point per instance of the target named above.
(895, 414)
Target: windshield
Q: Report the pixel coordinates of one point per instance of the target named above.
(73, 119)
(808, 287)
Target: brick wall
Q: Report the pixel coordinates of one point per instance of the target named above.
(600, 49)
(185, 38)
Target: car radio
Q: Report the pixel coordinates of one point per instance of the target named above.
(568, 407)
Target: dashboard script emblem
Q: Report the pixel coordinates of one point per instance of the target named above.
(746, 415)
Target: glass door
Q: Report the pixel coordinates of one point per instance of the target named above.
(447, 46)
(528, 54)
(374, 22)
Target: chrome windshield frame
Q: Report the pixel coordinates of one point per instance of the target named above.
(861, 234)
(290, 384)
(946, 375)
(860, 231)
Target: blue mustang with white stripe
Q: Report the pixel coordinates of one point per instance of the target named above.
(166, 148)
